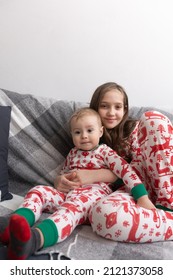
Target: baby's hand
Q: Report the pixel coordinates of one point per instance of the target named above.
(66, 182)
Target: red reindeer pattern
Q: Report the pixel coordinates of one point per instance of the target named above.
(163, 171)
(143, 138)
(71, 207)
(135, 224)
(125, 169)
(160, 147)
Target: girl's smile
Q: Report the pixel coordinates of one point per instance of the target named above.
(111, 108)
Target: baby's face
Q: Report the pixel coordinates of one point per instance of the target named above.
(86, 132)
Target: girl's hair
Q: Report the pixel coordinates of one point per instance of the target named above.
(117, 137)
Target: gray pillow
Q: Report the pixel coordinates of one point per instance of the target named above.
(5, 115)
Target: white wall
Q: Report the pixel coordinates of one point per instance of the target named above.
(66, 48)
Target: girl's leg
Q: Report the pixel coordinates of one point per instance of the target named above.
(155, 138)
(117, 217)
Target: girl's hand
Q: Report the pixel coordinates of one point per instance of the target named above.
(145, 202)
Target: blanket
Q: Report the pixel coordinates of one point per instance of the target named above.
(39, 141)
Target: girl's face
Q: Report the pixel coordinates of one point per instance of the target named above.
(111, 108)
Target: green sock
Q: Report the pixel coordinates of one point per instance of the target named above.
(27, 213)
(49, 231)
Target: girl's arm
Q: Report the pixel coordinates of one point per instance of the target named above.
(94, 176)
(77, 178)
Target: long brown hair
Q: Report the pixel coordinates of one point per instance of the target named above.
(117, 137)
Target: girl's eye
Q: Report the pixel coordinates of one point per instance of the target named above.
(90, 130)
(103, 106)
(119, 107)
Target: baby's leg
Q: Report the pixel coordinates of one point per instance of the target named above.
(74, 211)
(38, 199)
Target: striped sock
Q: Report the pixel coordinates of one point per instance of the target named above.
(4, 229)
(4, 223)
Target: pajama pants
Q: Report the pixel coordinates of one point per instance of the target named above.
(117, 216)
(68, 210)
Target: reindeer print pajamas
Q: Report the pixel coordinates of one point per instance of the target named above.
(117, 216)
(72, 209)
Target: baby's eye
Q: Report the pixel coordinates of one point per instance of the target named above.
(90, 130)
(77, 132)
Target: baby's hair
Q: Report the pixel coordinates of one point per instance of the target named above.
(84, 111)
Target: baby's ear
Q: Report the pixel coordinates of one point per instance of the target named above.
(101, 130)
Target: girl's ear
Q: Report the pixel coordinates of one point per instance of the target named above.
(125, 110)
(101, 131)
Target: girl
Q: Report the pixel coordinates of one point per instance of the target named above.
(147, 144)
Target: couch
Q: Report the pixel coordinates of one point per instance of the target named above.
(34, 142)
